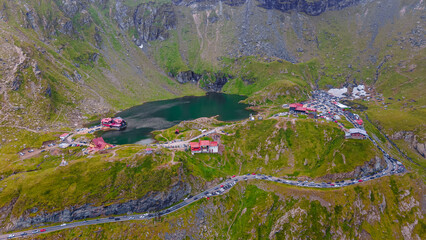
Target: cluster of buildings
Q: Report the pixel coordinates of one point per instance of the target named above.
(299, 108)
(356, 133)
(114, 123)
(327, 106)
(204, 146)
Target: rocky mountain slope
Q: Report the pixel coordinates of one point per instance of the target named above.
(106, 48)
(270, 211)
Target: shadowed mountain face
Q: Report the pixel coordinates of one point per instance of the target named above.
(93, 56)
(310, 7)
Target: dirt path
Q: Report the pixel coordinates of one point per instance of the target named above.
(235, 217)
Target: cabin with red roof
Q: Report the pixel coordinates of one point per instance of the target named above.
(293, 106)
(195, 147)
(98, 144)
(63, 136)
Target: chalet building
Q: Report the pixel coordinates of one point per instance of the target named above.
(63, 136)
(293, 106)
(356, 133)
(300, 109)
(99, 144)
(114, 123)
(204, 146)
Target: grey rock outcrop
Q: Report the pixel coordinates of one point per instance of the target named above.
(374, 165)
(16, 84)
(188, 76)
(217, 85)
(152, 201)
(215, 81)
(98, 38)
(152, 21)
(66, 28)
(310, 7)
(313, 8)
(48, 91)
(31, 20)
(72, 7)
(413, 141)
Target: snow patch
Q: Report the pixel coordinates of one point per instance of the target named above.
(359, 91)
(338, 92)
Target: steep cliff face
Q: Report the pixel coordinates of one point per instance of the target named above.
(153, 201)
(210, 82)
(412, 140)
(313, 8)
(151, 21)
(376, 164)
(310, 7)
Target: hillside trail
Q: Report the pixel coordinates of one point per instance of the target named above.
(235, 217)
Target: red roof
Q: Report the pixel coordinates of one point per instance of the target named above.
(213, 144)
(194, 144)
(295, 105)
(359, 121)
(311, 109)
(64, 135)
(204, 143)
(106, 120)
(112, 120)
(99, 143)
(300, 109)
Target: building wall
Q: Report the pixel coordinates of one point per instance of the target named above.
(214, 149)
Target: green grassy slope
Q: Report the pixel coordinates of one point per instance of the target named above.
(281, 148)
(52, 188)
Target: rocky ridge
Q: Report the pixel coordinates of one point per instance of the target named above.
(152, 201)
(413, 141)
(313, 8)
(210, 82)
(374, 165)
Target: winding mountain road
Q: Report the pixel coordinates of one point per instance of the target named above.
(219, 189)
